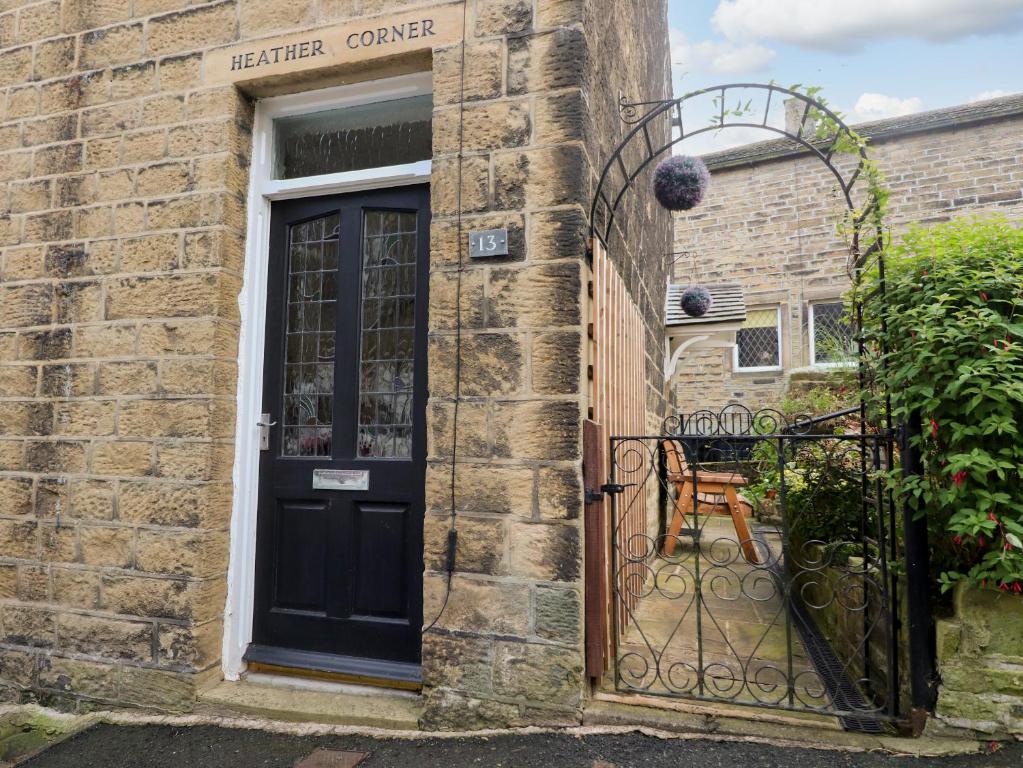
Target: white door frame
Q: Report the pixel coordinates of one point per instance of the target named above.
(263, 189)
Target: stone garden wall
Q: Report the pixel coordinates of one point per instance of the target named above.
(769, 223)
(980, 662)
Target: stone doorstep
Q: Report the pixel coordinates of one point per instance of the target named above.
(809, 729)
(274, 698)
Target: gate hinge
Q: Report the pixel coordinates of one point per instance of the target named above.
(593, 497)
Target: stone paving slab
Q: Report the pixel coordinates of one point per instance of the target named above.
(738, 633)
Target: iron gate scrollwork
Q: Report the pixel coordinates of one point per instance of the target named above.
(771, 578)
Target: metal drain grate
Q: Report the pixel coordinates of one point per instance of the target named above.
(845, 696)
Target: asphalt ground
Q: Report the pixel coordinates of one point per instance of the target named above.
(118, 746)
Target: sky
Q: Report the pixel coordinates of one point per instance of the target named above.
(872, 58)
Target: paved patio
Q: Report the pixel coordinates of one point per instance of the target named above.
(738, 633)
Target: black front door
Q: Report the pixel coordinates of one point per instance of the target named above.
(339, 553)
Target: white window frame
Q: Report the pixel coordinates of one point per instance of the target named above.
(811, 329)
(761, 368)
(264, 189)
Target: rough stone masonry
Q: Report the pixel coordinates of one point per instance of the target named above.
(769, 223)
(123, 181)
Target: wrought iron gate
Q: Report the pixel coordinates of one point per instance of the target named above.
(771, 576)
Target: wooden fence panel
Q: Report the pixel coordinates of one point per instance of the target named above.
(618, 400)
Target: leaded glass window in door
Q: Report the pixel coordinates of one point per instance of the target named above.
(311, 324)
(387, 348)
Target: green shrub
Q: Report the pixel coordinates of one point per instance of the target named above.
(954, 355)
(823, 491)
(818, 400)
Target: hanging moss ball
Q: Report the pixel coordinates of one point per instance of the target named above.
(680, 182)
(696, 301)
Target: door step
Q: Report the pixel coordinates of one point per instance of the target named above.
(300, 701)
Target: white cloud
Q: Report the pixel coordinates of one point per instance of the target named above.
(720, 57)
(997, 93)
(726, 138)
(733, 136)
(877, 106)
(845, 25)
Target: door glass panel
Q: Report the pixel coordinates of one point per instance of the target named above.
(386, 352)
(308, 412)
(353, 138)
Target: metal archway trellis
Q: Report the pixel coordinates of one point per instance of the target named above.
(640, 116)
(862, 685)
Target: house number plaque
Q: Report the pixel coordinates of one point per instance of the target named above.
(488, 242)
(341, 479)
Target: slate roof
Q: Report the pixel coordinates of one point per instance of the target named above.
(948, 118)
(729, 306)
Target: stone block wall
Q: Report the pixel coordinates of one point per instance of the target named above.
(121, 221)
(980, 663)
(769, 224)
(123, 179)
(507, 650)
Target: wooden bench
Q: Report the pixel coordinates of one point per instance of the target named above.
(715, 483)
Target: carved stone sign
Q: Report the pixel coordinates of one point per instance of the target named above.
(331, 46)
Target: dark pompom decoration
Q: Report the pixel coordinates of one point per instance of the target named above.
(696, 301)
(680, 182)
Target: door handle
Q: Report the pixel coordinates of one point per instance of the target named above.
(264, 425)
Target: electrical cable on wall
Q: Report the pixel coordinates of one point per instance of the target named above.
(452, 541)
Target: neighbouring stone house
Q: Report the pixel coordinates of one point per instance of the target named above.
(238, 221)
(769, 224)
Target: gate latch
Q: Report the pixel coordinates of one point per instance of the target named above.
(593, 496)
(264, 425)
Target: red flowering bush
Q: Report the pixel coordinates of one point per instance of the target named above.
(955, 355)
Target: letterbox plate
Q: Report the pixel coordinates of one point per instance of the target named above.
(341, 479)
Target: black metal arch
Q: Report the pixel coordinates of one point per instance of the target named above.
(613, 185)
(618, 177)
